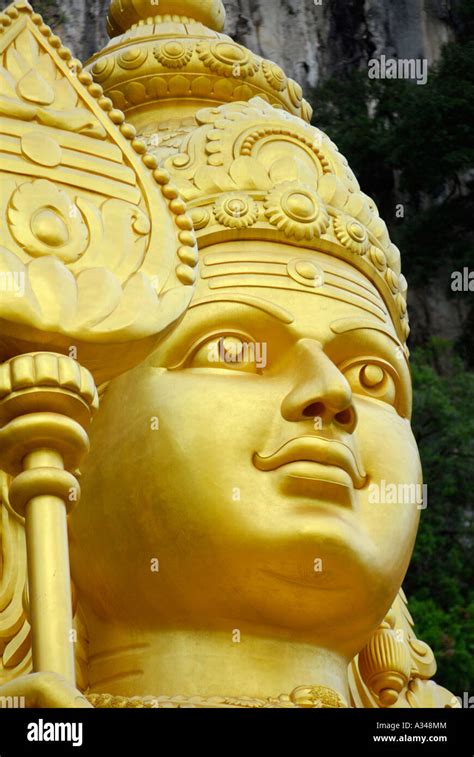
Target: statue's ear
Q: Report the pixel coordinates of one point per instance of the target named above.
(394, 668)
(97, 251)
(15, 642)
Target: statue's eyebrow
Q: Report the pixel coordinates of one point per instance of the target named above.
(275, 311)
(343, 325)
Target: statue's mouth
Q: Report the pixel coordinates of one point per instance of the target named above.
(315, 449)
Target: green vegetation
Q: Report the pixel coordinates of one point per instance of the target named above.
(414, 145)
(440, 581)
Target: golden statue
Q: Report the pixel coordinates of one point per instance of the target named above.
(226, 551)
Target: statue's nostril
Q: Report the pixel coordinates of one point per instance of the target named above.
(345, 417)
(314, 410)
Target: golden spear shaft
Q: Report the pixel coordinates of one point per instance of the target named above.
(46, 402)
(48, 574)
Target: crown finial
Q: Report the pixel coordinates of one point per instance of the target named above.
(124, 13)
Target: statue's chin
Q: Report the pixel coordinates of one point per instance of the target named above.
(305, 562)
(338, 610)
(325, 589)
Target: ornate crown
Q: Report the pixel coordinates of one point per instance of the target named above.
(250, 169)
(180, 61)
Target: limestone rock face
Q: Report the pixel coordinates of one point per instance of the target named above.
(80, 23)
(310, 39)
(315, 40)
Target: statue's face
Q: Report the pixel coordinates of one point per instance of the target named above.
(243, 456)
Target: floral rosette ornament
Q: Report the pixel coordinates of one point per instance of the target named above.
(236, 211)
(351, 234)
(297, 210)
(173, 54)
(228, 58)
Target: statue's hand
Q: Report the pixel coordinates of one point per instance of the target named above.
(44, 690)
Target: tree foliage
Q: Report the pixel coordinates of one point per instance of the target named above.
(440, 580)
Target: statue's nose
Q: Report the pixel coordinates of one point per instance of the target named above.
(319, 389)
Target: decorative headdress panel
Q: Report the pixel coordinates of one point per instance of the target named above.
(97, 244)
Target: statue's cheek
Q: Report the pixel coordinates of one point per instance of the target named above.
(386, 443)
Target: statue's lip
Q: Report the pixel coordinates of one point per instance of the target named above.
(314, 449)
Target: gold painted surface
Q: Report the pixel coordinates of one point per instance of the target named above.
(225, 551)
(88, 232)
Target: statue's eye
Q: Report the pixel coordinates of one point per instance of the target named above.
(230, 352)
(374, 379)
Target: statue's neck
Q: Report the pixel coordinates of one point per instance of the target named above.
(127, 662)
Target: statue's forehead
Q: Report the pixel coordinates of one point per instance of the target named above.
(290, 284)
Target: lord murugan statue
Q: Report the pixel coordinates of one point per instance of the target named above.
(189, 264)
